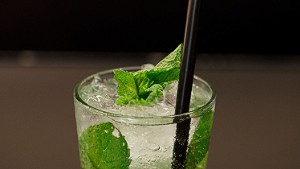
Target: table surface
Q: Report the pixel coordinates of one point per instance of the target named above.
(256, 124)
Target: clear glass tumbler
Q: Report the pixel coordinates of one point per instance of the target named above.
(112, 140)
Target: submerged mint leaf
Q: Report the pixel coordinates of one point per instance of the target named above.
(198, 148)
(145, 87)
(103, 146)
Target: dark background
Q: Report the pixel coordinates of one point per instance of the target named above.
(228, 26)
(249, 54)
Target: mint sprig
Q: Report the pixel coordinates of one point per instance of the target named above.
(145, 87)
(103, 146)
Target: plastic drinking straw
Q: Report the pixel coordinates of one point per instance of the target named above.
(185, 83)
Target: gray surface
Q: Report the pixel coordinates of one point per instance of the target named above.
(256, 124)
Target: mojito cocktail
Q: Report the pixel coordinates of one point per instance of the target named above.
(116, 132)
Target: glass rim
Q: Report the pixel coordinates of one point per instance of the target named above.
(182, 116)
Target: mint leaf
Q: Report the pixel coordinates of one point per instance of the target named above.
(143, 83)
(127, 88)
(103, 146)
(145, 87)
(156, 91)
(164, 76)
(198, 148)
(172, 60)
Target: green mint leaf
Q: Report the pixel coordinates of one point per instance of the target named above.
(127, 88)
(164, 76)
(103, 146)
(143, 83)
(198, 148)
(156, 91)
(145, 87)
(172, 60)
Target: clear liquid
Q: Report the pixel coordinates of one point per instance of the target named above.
(151, 147)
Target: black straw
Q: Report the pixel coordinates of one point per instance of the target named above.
(185, 83)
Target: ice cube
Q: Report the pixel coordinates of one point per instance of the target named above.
(96, 83)
(170, 94)
(147, 66)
